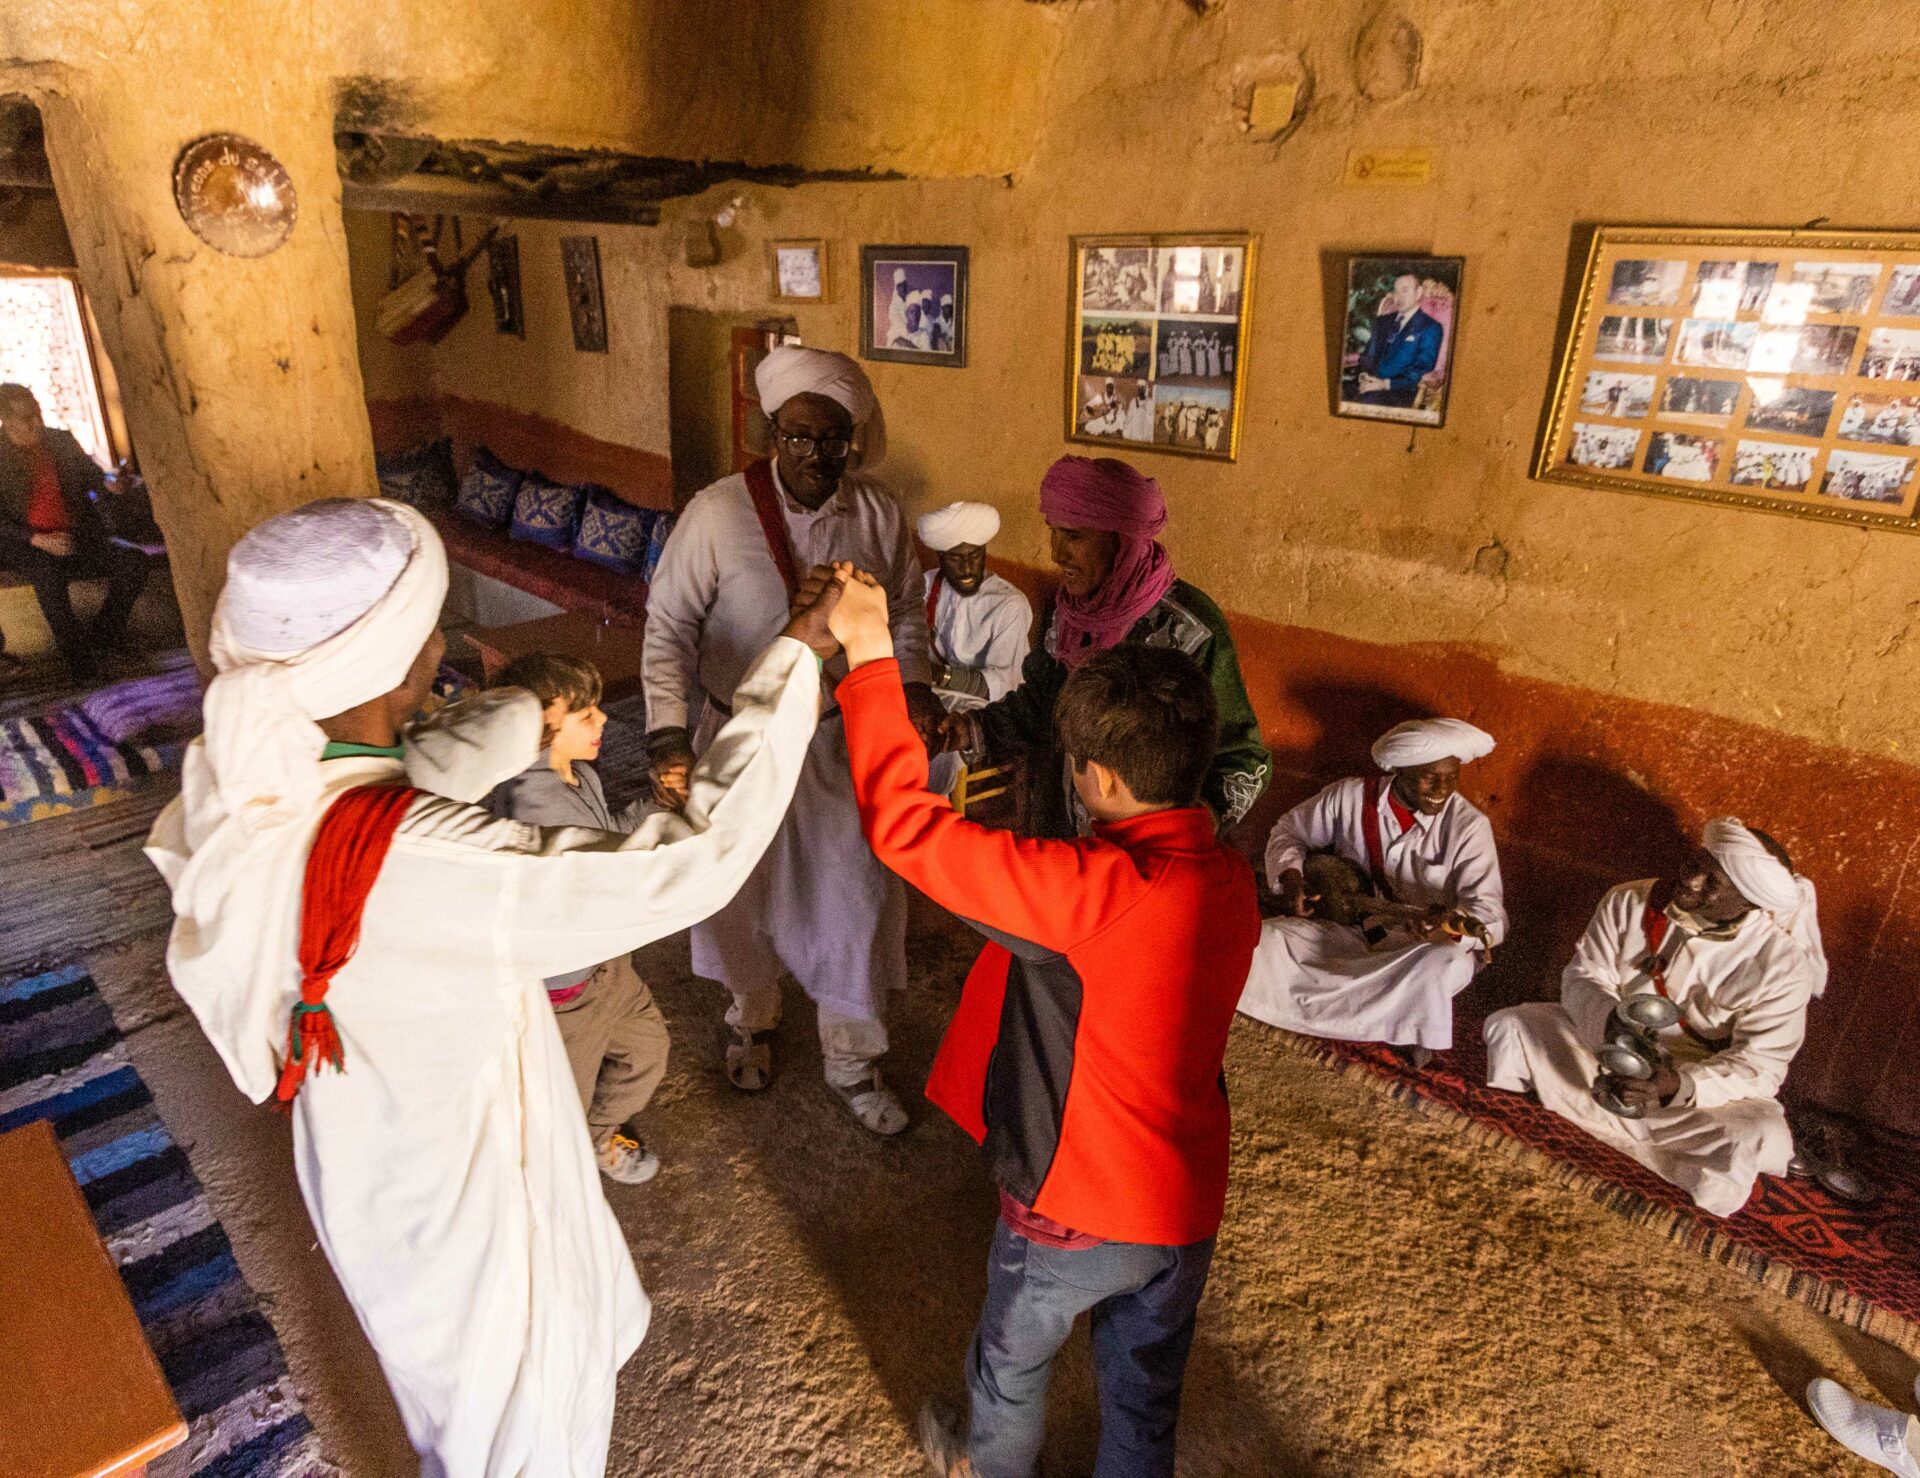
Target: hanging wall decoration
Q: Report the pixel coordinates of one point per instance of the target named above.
(503, 285)
(580, 256)
(1156, 343)
(913, 305)
(1396, 345)
(1777, 370)
(234, 195)
(799, 270)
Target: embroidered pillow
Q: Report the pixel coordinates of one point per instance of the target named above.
(487, 491)
(546, 512)
(657, 541)
(614, 533)
(423, 477)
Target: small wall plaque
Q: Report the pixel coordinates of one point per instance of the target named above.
(234, 195)
(580, 255)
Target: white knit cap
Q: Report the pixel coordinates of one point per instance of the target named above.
(295, 580)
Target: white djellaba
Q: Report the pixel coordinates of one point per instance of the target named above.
(447, 1169)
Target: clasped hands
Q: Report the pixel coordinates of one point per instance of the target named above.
(837, 608)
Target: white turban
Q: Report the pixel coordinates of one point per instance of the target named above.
(324, 608)
(959, 523)
(792, 370)
(1422, 741)
(1786, 898)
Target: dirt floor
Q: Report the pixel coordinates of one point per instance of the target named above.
(1386, 1300)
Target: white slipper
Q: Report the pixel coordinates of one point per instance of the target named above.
(1876, 1433)
(879, 1109)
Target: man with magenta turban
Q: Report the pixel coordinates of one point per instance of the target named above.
(1116, 585)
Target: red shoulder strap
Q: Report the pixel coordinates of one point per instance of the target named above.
(1370, 825)
(773, 525)
(348, 851)
(933, 599)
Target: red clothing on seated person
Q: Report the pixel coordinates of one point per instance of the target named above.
(46, 508)
(1085, 1055)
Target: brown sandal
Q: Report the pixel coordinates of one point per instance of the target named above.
(749, 1060)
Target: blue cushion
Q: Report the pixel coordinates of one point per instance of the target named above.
(487, 491)
(614, 533)
(657, 541)
(423, 476)
(546, 512)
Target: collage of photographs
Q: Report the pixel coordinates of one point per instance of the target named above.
(1789, 375)
(1159, 329)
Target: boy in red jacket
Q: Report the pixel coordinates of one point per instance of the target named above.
(1085, 1056)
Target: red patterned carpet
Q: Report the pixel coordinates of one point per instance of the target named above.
(1857, 1264)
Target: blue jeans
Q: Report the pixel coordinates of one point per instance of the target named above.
(1142, 1301)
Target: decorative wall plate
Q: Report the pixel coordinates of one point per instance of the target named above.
(234, 195)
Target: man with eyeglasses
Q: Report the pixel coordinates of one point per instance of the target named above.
(819, 904)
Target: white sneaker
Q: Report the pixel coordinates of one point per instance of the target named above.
(1876, 1433)
(623, 1158)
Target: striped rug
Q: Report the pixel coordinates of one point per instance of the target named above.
(62, 1059)
(58, 762)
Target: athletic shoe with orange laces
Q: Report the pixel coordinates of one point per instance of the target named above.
(623, 1158)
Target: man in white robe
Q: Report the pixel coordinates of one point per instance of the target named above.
(1426, 847)
(1139, 425)
(446, 1167)
(1735, 944)
(820, 904)
(981, 624)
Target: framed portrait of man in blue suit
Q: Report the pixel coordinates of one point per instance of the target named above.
(1396, 349)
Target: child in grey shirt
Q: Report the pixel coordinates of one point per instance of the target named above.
(615, 1036)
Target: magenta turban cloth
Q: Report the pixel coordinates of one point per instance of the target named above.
(1105, 493)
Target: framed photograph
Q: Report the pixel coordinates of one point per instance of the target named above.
(1396, 346)
(580, 257)
(1774, 370)
(913, 305)
(799, 270)
(503, 285)
(1156, 341)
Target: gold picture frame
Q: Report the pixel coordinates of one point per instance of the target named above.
(1167, 313)
(790, 274)
(1774, 370)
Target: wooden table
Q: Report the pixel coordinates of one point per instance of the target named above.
(615, 650)
(82, 1395)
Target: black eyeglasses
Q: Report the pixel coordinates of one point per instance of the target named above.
(830, 447)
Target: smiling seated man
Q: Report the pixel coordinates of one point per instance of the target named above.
(1117, 586)
(979, 622)
(1429, 853)
(1734, 942)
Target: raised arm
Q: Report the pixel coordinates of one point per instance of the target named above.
(907, 609)
(1050, 893)
(575, 897)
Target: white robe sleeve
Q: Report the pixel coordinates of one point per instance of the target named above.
(569, 897)
(684, 588)
(1007, 649)
(1768, 1028)
(1602, 964)
(1477, 888)
(1311, 826)
(906, 586)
